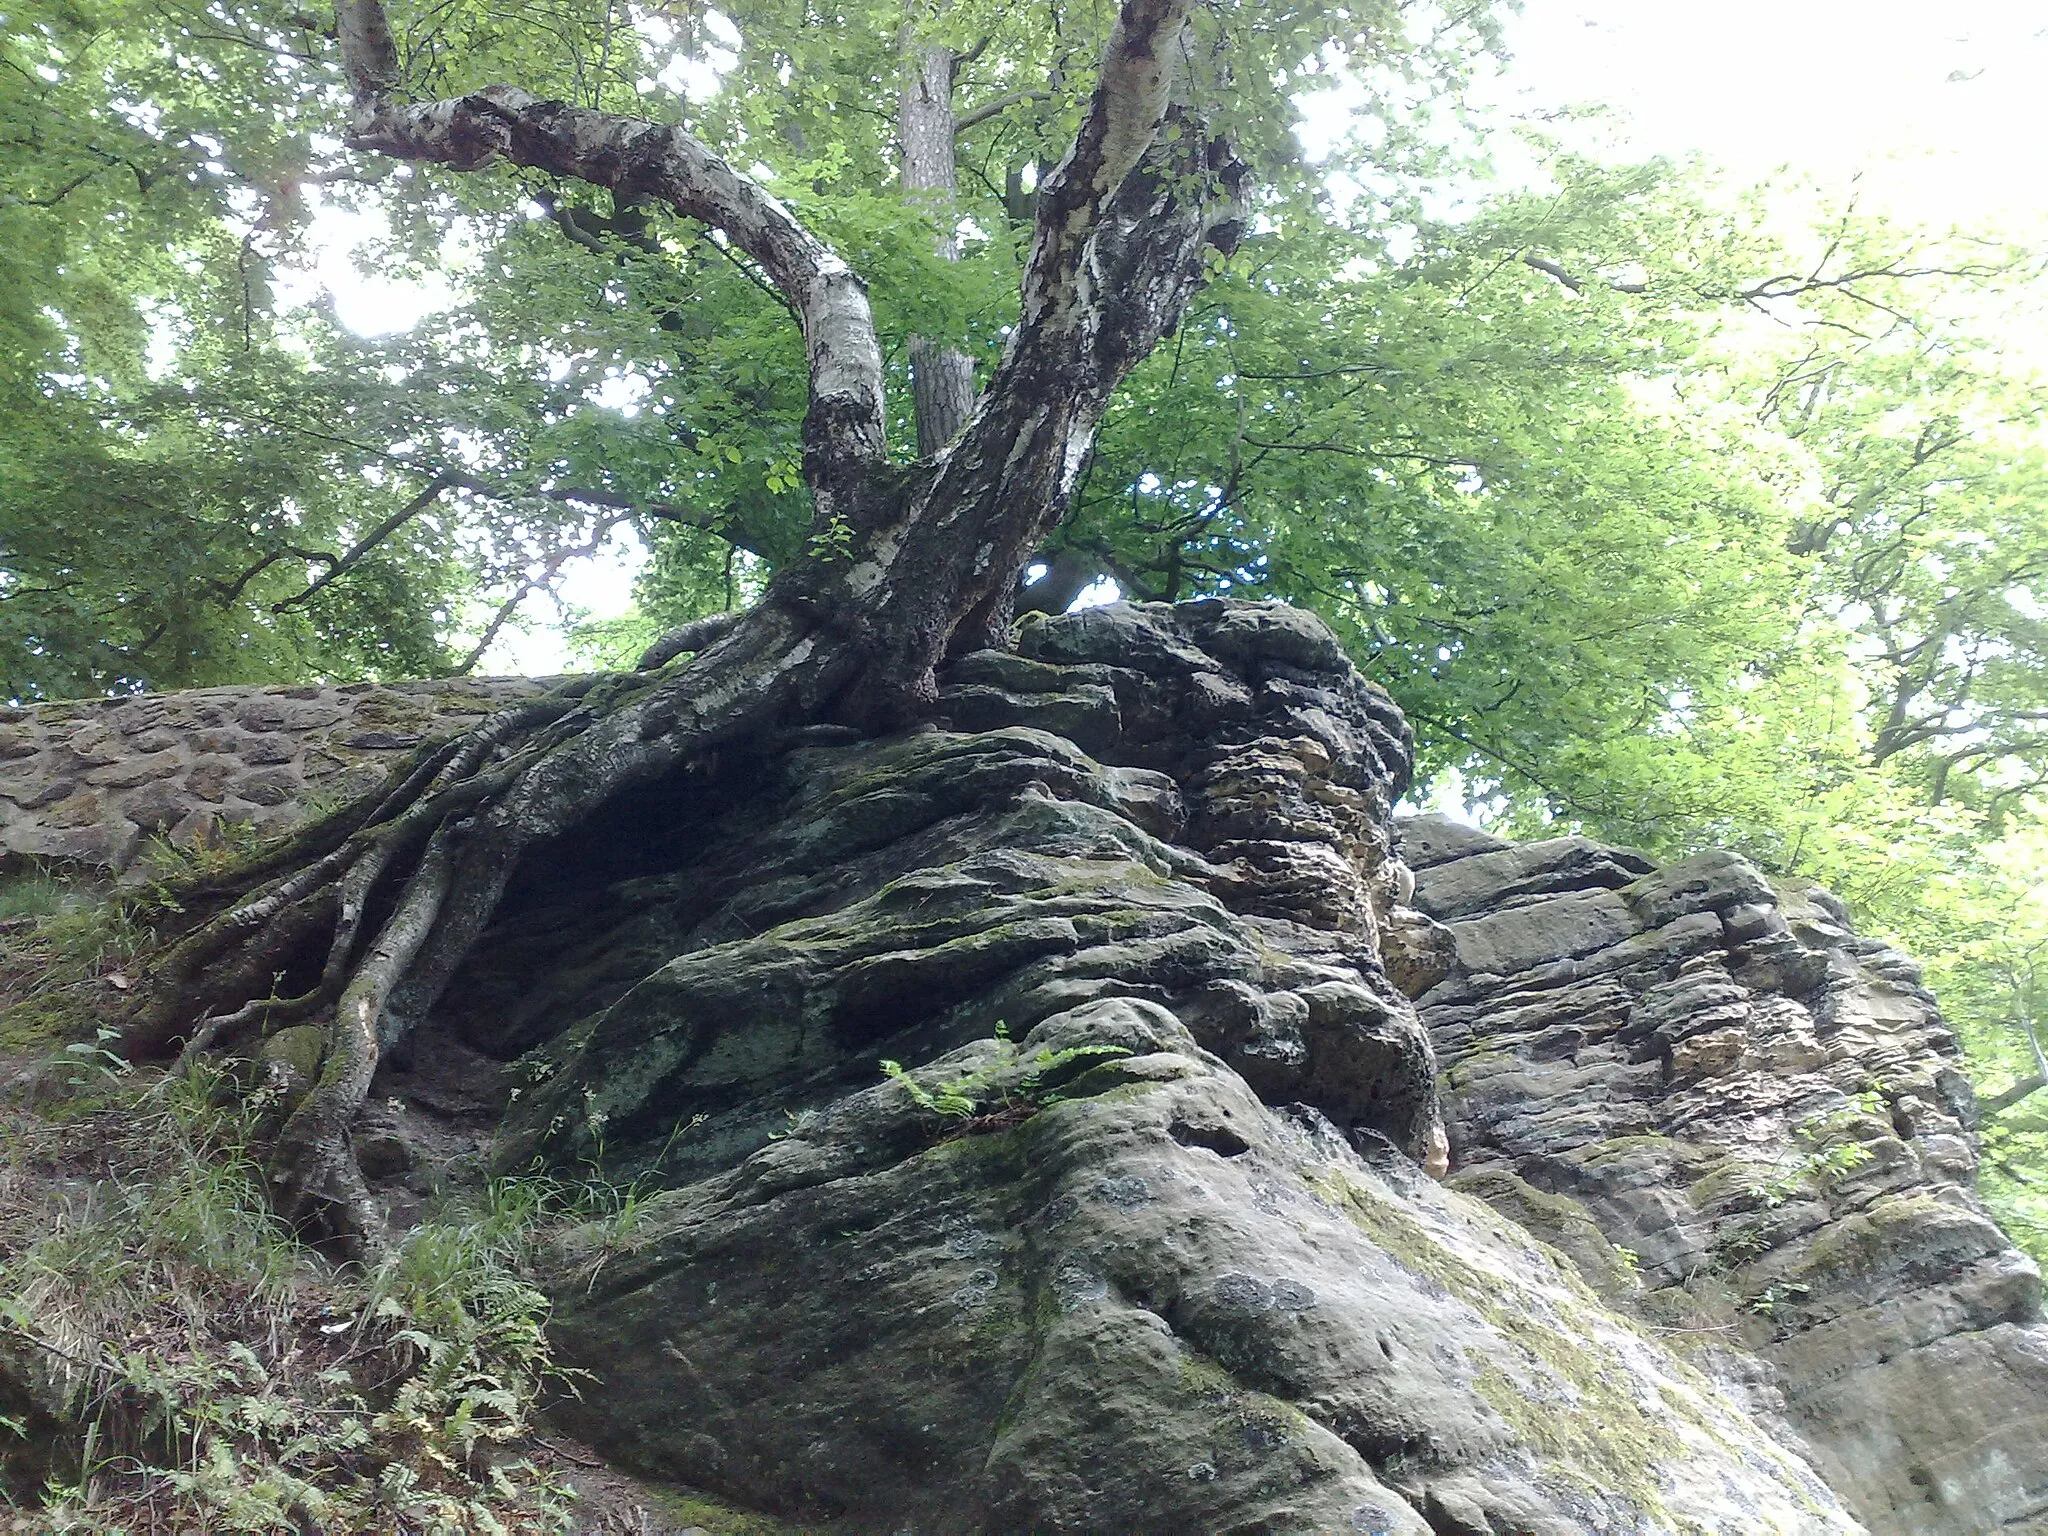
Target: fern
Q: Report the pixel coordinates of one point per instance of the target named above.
(977, 1092)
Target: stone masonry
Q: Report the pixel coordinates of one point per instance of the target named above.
(91, 782)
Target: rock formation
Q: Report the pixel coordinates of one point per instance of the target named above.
(1144, 1236)
(1765, 1114)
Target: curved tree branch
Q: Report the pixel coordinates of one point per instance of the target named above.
(637, 159)
(2025, 1088)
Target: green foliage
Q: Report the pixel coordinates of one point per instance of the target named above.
(1767, 1302)
(1457, 460)
(227, 1380)
(206, 479)
(1007, 1083)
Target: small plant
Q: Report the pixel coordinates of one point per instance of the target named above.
(1743, 1243)
(831, 543)
(227, 1380)
(997, 1086)
(1767, 1301)
(223, 847)
(26, 897)
(1827, 1159)
(57, 965)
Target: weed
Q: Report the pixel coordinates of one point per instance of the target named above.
(1767, 1301)
(227, 846)
(1827, 1157)
(222, 1378)
(59, 966)
(832, 542)
(998, 1086)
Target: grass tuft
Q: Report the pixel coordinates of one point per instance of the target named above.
(203, 1371)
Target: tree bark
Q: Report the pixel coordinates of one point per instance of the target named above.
(941, 377)
(2026, 1087)
(904, 562)
(2020, 1091)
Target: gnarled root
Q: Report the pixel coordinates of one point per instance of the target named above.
(388, 894)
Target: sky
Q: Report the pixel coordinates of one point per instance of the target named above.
(1942, 107)
(1937, 111)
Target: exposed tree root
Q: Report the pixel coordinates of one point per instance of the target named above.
(389, 893)
(368, 912)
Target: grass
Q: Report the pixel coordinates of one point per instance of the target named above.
(64, 952)
(173, 1360)
(30, 895)
(218, 1377)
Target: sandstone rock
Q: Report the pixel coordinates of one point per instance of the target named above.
(1158, 1305)
(1154, 1302)
(208, 778)
(1691, 1060)
(895, 899)
(1133, 913)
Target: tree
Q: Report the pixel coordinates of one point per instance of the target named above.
(902, 563)
(1610, 482)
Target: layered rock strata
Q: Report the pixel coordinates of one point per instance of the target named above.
(1749, 1126)
(1140, 1239)
(1044, 1136)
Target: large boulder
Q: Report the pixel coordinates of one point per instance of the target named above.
(1142, 1300)
(1144, 1237)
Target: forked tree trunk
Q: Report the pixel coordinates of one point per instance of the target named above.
(905, 562)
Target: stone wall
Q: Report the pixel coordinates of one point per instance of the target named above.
(91, 782)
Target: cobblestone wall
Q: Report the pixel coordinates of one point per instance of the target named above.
(92, 782)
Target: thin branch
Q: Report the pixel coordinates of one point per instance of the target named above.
(550, 569)
(590, 496)
(62, 192)
(2025, 1088)
(234, 589)
(1556, 270)
(996, 108)
(341, 565)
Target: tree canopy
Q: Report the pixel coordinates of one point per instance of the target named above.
(1661, 513)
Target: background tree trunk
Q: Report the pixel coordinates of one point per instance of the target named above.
(941, 377)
